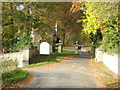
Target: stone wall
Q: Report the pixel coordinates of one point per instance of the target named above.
(111, 61)
(22, 57)
(99, 55)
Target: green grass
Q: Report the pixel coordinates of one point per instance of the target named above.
(13, 76)
(40, 60)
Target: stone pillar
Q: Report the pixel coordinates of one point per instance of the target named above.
(25, 58)
(59, 47)
(76, 47)
(20, 59)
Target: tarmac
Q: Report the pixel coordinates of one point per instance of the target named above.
(73, 73)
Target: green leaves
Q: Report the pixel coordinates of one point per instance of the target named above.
(99, 14)
(14, 76)
(21, 42)
(111, 40)
(16, 22)
(96, 38)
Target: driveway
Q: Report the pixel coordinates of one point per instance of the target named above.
(73, 73)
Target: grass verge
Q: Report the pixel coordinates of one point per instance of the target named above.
(43, 60)
(14, 76)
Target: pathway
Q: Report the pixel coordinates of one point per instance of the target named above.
(69, 74)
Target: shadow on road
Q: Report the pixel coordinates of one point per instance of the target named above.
(84, 55)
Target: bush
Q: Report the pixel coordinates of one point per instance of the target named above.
(8, 64)
(13, 76)
(111, 39)
(24, 40)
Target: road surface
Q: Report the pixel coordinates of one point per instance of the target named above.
(73, 73)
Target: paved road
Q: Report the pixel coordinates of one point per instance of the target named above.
(69, 74)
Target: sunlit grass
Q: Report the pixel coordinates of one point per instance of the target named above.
(40, 60)
(13, 76)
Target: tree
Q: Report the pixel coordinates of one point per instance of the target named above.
(97, 15)
(24, 17)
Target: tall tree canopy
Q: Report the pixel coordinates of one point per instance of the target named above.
(24, 17)
(102, 16)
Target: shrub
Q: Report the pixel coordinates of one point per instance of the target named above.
(24, 40)
(8, 64)
(111, 39)
(13, 76)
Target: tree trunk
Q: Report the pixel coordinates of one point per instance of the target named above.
(63, 36)
(54, 38)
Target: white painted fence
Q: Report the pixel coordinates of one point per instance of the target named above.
(111, 61)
